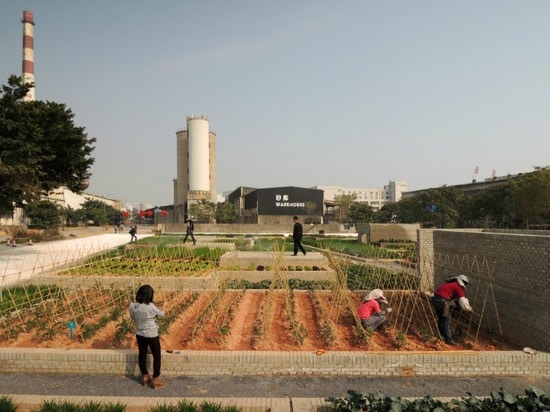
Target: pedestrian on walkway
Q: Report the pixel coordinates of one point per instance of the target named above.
(297, 234)
(133, 234)
(189, 230)
(369, 309)
(144, 313)
(445, 299)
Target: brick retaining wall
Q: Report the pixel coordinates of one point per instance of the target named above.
(271, 363)
(510, 275)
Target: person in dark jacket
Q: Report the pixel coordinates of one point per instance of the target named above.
(297, 234)
(189, 230)
(133, 234)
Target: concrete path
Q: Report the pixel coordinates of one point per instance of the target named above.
(250, 393)
(23, 262)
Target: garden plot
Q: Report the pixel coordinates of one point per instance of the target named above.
(274, 319)
(257, 301)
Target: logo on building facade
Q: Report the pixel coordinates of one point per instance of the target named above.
(284, 201)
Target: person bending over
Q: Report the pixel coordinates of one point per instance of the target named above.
(445, 298)
(369, 310)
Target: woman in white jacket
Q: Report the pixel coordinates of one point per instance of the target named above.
(144, 313)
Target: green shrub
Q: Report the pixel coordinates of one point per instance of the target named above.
(7, 404)
(533, 400)
(65, 406)
(188, 406)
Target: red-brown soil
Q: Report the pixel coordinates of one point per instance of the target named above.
(253, 320)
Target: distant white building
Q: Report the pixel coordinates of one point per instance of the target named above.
(62, 197)
(376, 198)
(66, 198)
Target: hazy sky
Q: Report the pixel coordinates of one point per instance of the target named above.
(299, 93)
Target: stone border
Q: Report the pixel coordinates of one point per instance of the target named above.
(271, 363)
(209, 281)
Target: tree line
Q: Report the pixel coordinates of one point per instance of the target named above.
(521, 202)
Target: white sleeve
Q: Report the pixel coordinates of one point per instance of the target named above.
(464, 304)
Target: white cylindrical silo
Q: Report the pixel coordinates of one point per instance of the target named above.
(199, 153)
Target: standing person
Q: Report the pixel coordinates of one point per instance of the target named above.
(144, 313)
(297, 234)
(189, 229)
(369, 309)
(133, 234)
(445, 297)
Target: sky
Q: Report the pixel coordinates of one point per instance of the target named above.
(302, 93)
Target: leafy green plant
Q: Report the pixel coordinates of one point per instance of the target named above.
(188, 406)
(159, 255)
(401, 339)
(534, 400)
(366, 277)
(124, 328)
(66, 406)
(7, 404)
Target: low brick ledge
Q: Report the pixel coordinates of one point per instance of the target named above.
(271, 363)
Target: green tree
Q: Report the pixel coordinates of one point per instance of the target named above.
(40, 148)
(225, 212)
(530, 198)
(387, 213)
(203, 212)
(43, 214)
(311, 208)
(361, 212)
(74, 216)
(487, 208)
(344, 203)
(434, 207)
(100, 213)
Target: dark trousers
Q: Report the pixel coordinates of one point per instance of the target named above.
(189, 233)
(442, 311)
(143, 344)
(298, 245)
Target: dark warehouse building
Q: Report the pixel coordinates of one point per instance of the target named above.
(277, 205)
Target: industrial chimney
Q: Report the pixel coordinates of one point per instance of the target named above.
(28, 52)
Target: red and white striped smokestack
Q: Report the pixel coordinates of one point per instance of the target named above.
(28, 52)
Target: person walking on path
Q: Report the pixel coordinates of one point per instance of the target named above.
(144, 313)
(133, 234)
(445, 298)
(369, 309)
(297, 234)
(189, 230)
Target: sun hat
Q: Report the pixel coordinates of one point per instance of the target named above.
(375, 294)
(462, 280)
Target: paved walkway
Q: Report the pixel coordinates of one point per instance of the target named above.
(23, 262)
(292, 393)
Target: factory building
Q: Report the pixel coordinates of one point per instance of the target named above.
(277, 205)
(376, 198)
(196, 166)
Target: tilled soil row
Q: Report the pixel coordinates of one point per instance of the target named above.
(280, 320)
